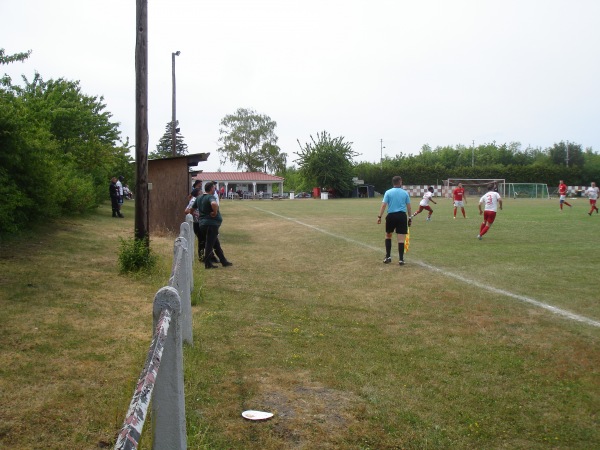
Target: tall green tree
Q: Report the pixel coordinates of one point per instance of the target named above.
(58, 150)
(248, 140)
(83, 131)
(591, 169)
(328, 162)
(165, 144)
(567, 154)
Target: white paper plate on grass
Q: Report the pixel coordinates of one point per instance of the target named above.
(256, 415)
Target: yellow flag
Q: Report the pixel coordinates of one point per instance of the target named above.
(407, 241)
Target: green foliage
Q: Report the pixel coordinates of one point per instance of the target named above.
(327, 162)
(7, 59)
(136, 255)
(165, 145)
(293, 180)
(567, 153)
(508, 161)
(248, 139)
(14, 204)
(57, 151)
(591, 166)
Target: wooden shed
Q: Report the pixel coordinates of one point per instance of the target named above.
(169, 182)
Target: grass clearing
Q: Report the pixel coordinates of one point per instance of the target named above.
(310, 325)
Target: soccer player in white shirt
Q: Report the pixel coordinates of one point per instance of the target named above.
(592, 194)
(492, 201)
(424, 204)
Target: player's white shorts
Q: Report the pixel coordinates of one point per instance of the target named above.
(563, 198)
(459, 203)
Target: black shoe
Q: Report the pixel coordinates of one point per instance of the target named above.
(227, 264)
(211, 266)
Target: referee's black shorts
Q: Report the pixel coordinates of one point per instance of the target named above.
(396, 222)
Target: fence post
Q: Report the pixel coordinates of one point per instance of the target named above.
(131, 431)
(168, 404)
(191, 238)
(180, 280)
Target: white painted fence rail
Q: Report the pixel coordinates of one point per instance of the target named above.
(172, 320)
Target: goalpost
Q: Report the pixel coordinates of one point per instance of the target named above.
(527, 190)
(474, 187)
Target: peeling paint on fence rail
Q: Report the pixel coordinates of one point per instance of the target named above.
(129, 436)
(172, 318)
(161, 378)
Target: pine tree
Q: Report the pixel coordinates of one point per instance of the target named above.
(163, 149)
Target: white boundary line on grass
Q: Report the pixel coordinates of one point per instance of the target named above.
(522, 298)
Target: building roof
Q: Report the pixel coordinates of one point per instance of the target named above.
(237, 176)
(192, 160)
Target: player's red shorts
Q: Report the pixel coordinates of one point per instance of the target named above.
(489, 216)
(593, 202)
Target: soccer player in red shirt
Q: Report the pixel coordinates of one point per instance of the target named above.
(460, 199)
(562, 192)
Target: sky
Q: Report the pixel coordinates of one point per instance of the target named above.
(387, 75)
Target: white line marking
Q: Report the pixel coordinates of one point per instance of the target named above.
(522, 298)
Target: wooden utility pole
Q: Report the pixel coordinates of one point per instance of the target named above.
(141, 122)
(174, 108)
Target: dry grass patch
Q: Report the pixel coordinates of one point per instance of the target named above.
(304, 411)
(74, 335)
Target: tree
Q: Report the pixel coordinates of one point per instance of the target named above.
(58, 149)
(248, 139)
(163, 149)
(567, 153)
(328, 162)
(7, 59)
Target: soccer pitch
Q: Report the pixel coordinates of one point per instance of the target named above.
(471, 344)
(533, 250)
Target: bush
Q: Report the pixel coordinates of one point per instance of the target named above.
(136, 256)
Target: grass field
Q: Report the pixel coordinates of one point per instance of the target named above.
(309, 324)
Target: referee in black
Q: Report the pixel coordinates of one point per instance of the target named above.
(397, 202)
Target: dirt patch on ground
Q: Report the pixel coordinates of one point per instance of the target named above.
(304, 411)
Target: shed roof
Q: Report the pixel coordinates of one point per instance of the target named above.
(192, 160)
(237, 176)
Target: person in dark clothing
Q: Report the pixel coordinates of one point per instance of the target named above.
(113, 191)
(210, 221)
(196, 217)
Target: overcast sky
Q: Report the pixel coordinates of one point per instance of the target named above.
(437, 72)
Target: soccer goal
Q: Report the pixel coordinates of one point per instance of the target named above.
(475, 187)
(527, 190)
